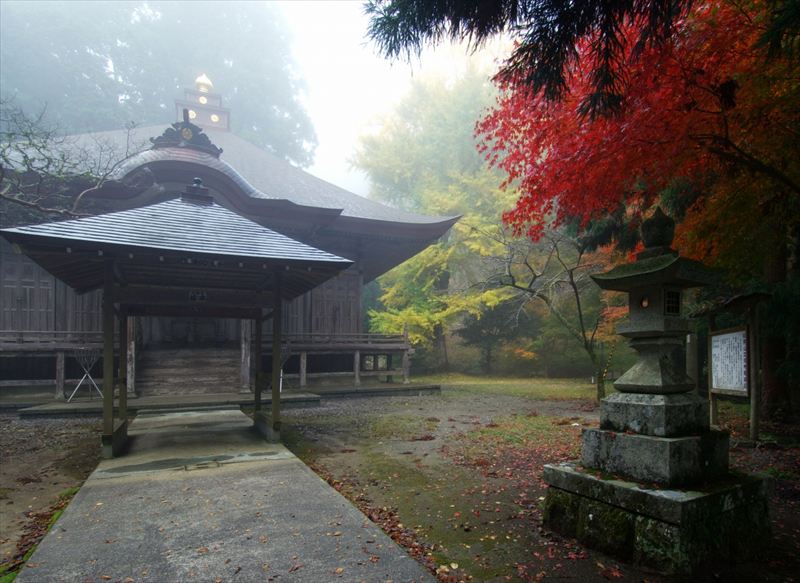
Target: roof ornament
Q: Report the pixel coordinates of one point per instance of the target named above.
(196, 193)
(184, 134)
(203, 83)
(657, 234)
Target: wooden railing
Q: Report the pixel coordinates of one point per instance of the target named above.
(14, 341)
(342, 342)
(365, 348)
(311, 340)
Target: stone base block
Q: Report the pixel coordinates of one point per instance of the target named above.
(264, 425)
(672, 415)
(672, 531)
(671, 461)
(113, 444)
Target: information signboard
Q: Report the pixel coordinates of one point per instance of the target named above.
(729, 362)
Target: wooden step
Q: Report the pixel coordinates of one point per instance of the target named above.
(188, 371)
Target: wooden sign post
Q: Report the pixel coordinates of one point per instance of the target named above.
(732, 370)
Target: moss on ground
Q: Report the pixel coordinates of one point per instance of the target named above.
(535, 388)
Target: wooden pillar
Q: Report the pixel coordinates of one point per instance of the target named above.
(713, 411)
(108, 350)
(357, 368)
(276, 359)
(389, 368)
(130, 358)
(259, 374)
(122, 383)
(752, 371)
(246, 369)
(303, 369)
(60, 375)
(406, 356)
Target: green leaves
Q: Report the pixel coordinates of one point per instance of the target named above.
(423, 158)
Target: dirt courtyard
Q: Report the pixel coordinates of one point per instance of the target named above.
(453, 478)
(40, 459)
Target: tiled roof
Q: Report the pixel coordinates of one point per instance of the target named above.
(265, 176)
(182, 225)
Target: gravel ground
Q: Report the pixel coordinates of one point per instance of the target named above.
(42, 457)
(39, 459)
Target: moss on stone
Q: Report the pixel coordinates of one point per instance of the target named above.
(560, 511)
(605, 527)
(661, 545)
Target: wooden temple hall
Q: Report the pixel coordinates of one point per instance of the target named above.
(197, 266)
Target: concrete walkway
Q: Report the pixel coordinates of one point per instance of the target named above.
(201, 497)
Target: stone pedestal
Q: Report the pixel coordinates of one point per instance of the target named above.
(653, 487)
(665, 461)
(672, 531)
(663, 439)
(660, 415)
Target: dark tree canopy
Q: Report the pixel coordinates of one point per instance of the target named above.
(497, 324)
(98, 65)
(547, 34)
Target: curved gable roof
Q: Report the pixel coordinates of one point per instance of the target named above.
(262, 175)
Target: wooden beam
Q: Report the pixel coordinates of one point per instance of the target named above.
(259, 385)
(303, 369)
(357, 368)
(752, 371)
(154, 295)
(130, 349)
(406, 356)
(389, 377)
(193, 311)
(245, 364)
(108, 350)
(122, 384)
(60, 367)
(276, 360)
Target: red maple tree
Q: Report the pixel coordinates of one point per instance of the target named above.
(708, 107)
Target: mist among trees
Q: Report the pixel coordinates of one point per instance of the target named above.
(99, 65)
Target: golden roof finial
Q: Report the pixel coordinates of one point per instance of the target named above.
(203, 83)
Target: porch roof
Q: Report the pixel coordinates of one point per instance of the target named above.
(190, 242)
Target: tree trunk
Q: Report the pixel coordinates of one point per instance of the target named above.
(775, 395)
(597, 363)
(600, 384)
(441, 340)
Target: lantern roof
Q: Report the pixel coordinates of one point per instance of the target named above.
(658, 264)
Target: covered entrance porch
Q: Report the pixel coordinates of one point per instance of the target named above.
(188, 258)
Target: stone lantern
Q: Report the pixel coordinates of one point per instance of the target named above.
(652, 484)
(656, 398)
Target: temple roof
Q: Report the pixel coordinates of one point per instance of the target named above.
(205, 245)
(265, 176)
(181, 225)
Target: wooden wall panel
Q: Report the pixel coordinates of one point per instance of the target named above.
(336, 305)
(32, 300)
(28, 295)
